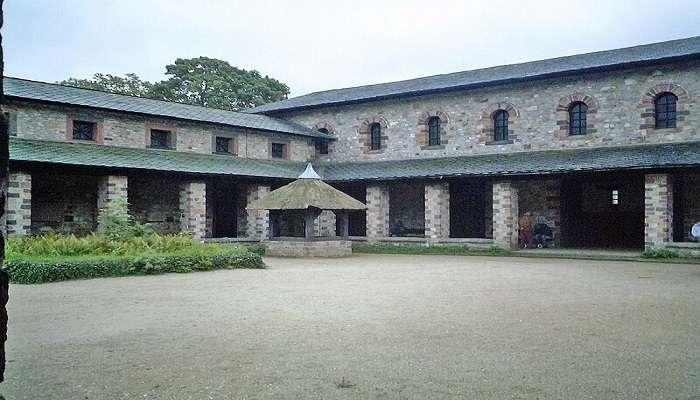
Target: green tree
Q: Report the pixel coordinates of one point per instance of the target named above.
(129, 84)
(209, 82)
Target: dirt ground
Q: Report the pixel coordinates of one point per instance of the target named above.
(366, 327)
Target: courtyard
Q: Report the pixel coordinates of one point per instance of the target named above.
(368, 326)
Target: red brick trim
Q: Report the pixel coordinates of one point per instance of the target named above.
(563, 115)
(364, 136)
(325, 125)
(647, 109)
(422, 138)
(487, 133)
(97, 135)
(171, 128)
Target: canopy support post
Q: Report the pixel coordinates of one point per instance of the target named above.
(342, 219)
(309, 225)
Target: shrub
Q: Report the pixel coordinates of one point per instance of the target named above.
(660, 253)
(116, 222)
(41, 270)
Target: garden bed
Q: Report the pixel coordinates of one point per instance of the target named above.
(57, 258)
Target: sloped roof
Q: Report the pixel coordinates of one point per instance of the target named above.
(525, 163)
(148, 159)
(306, 193)
(597, 61)
(61, 94)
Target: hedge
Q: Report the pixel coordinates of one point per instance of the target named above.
(30, 270)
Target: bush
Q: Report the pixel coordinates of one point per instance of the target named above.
(53, 257)
(116, 222)
(660, 253)
(55, 245)
(41, 270)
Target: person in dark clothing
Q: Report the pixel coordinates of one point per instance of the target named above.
(543, 234)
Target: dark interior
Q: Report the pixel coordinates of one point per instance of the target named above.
(591, 219)
(356, 219)
(468, 209)
(224, 204)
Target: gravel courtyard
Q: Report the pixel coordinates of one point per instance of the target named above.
(366, 327)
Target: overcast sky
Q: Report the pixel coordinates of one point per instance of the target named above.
(325, 44)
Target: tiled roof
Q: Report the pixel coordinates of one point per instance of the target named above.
(55, 93)
(148, 159)
(602, 60)
(526, 163)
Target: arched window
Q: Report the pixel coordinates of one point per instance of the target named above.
(375, 133)
(665, 110)
(500, 125)
(577, 118)
(434, 131)
(322, 144)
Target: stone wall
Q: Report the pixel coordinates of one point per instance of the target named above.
(437, 210)
(505, 214)
(64, 203)
(310, 248)
(51, 122)
(19, 203)
(618, 101)
(110, 189)
(658, 204)
(542, 199)
(155, 199)
(258, 226)
(377, 210)
(406, 209)
(193, 208)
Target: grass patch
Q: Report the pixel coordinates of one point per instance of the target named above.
(435, 250)
(56, 258)
(660, 253)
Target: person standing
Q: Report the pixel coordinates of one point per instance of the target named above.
(525, 224)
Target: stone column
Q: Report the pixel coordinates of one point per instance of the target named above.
(377, 201)
(19, 203)
(505, 215)
(437, 210)
(658, 210)
(258, 226)
(193, 208)
(324, 225)
(109, 189)
(343, 220)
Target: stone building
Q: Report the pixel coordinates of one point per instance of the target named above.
(602, 147)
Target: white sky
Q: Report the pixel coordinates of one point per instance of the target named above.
(317, 45)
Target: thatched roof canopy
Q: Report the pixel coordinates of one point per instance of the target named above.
(309, 191)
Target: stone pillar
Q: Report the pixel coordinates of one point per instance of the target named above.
(377, 201)
(505, 215)
(658, 210)
(324, 225)
(109, 189)
(437, 210)
(19, 203)
(193, 208)
(258, 226)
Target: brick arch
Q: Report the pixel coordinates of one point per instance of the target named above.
(647, 107)
(563, 114)
(325, 125)
(487, 133)
(422, 137)
(364, 136)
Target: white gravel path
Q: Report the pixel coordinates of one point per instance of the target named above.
(389, 327)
